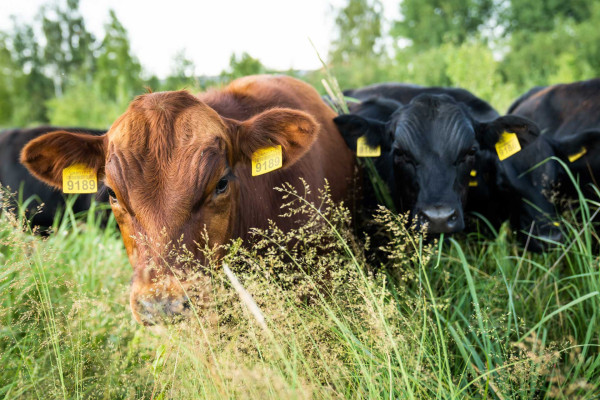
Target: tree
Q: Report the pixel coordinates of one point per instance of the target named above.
(118, 72)
(182, 73)
(358, 26)
(242, 66)
(31, 87)
(543, 15)
(431, 23)
(69, 46)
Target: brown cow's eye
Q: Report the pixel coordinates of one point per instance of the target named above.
(222, 185)
(111, 195)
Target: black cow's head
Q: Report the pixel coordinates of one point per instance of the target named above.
(532, 177)
(430, 145)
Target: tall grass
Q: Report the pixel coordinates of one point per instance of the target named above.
(343, 318)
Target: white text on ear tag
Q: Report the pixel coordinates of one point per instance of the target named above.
(577, 156)
(364, 150)
(79, 178)
(507, 145)
(266, 160)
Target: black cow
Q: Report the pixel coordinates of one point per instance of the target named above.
(16, 177)
(569, 118)
(430, 145)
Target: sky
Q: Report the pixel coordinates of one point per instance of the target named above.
(277, 32)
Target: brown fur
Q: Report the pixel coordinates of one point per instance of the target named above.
(165, 155)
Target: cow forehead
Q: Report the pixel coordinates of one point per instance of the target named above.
(443, 129)
(167, 120)
(162, 154)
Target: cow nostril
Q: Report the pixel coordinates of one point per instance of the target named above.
(163, 310)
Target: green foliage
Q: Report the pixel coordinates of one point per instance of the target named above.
(82, 105)
(68, 48)
(118, 72)
(431, 23)
(182, 74)
(358, 27)
(242, 65)
(544, 15)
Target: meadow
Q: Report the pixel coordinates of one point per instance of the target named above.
(464, 317)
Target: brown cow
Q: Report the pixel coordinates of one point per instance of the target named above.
(178, 164)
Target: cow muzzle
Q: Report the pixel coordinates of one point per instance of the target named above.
(166, 302)
(441, 219)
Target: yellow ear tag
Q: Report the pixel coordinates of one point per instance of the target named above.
(473, 183)
(266, 160)
(364, 150)
(473, 173)
(507, 145)
(577, 156)
(557, 224)
(79, 178)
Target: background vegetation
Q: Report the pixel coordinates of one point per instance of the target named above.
(54, 70)
(468, 317)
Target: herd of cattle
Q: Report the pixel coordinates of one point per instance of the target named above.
(175, 166)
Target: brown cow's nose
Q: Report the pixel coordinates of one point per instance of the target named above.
(152, 311)
(168, 300)
(441, 219)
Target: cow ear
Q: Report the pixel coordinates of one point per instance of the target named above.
(294, 130)
(46, 156)
(488, 133)
(353, 126)
(575, 146)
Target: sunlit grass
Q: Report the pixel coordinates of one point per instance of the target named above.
(450, 318)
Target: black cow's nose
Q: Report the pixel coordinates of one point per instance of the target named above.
(441, 219)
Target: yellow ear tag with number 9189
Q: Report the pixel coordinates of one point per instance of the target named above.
(507, 145)
(364, 150)
(266, 160)
(79, 178)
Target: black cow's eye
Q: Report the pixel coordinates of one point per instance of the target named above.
(465, 156)
(401, 156)
(222, 185)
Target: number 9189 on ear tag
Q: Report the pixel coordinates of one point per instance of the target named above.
(79, 178)
(507, 145)
(266, 160)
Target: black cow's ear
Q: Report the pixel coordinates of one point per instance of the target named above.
(353, 126)
(575, 146)
(488, 133)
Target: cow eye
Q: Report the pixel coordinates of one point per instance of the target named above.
(111, 194)
(222, 185)
(469, 153)
(402, 156)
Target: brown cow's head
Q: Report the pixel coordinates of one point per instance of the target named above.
(169, 164)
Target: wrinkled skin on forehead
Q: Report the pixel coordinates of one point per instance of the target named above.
(178, 166)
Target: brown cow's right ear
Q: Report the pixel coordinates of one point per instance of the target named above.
(46, 156)
(294, 130)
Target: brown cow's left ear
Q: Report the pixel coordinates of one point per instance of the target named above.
(46, 156)
(294, 130)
